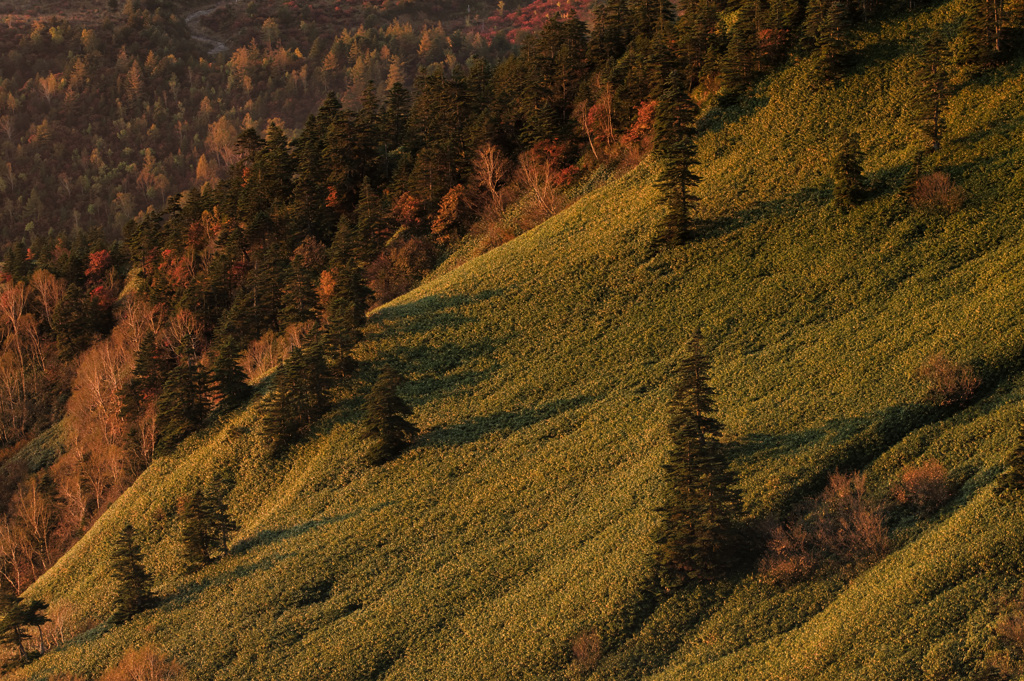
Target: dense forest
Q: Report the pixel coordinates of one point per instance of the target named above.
(179, 226)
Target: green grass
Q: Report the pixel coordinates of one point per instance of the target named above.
(538, 376)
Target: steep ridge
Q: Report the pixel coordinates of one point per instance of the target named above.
(538, 373)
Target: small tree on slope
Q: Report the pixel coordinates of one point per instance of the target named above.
(133, 586)
(384, 422)
(697, 538)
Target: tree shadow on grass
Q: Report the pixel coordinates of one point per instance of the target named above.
(503, 422)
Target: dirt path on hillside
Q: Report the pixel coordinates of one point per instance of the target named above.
(213, 43)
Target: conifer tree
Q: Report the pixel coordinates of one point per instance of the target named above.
(674, 134)
(153, 363)
(133, 586)
(300, 395)
(384, 422)
(226, 376)
(848, 174)
(929, 103)
(739, 63)
(1012, 479)
(221, 525)
(832, 40)
(12, 620)
(181, 407)
(195, 535)
(697, 536)
(983, 30)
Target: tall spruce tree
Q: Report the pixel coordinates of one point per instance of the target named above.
(832, 42)
(221, 525)
(384, 422)
(847, 173)
(674, 134)
(697, 538)
(133, 586)
(300, 395)
(181, 407)
(195, 536)
(929, 103)
(12, 620)
(226, 376)
(739, 63)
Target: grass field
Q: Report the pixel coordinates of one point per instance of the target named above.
(538, 374)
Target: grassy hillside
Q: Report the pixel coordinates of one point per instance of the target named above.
(538, 377)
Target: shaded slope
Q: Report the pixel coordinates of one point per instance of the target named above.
(537, 372)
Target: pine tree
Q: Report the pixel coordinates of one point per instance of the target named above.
(12, 620)
(1012, 479)
(153, 363)
(195, 536)
(929, 103)
(181, 407)
(832, 40)
(848, 174)
(384, 421)
(221, 525)
(697, 536)
(674, 134)
(133, 586)
(983, 31)
(226, 376)
(300, 395)
(739, 63)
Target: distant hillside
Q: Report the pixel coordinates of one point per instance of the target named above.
(521, 523)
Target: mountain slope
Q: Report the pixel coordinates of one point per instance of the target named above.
(538, 373)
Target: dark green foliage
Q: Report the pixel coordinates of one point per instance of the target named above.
(226, 376)
(153, 363)
(221, 525)
(1012, 479)
(739, 63)
(299, 397)
(929, 103)
(847, 173)
(77, 320)
(674, 134)
(181, 407)
(832, 40)
(12, 620)
(983, 30)
(195, 536)
(384, 422)
(697, 539)
(133, 586)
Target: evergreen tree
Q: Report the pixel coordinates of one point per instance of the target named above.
(300, 395)
(220, 523)
(848, 175)
(133, 586)
(674, 134)
(929, 103)
(181, 407)
(195, 534)
(226, 376)
(832, 40)
(983, 30)
(739, 63)
(153, 363)
(384, 421)
(12, 620)
(611, 32)
(697, 537)
(1012, 479)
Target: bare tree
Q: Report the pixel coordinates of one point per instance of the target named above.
(490, 170)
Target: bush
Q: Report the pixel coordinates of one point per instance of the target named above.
(947, 382)
(937, 193)
(848, 525)
(925, 487)
(586, 650)
(789, 556)
(144, 664)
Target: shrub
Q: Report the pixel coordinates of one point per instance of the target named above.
(848, 525)
(937, 193)
(925, 487)
(144, 664)
(947, 382)
(586, 650)
(789, 556)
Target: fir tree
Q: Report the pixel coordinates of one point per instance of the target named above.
(848, 175)
(300, 395)
(12, 620)
(195, 536)
(697, 537)
(674, 134)
(929, 103)
(832, 40)
(983, 30)
(221, 525)
(384, 422)
(1012, 479)
(153, 363)
(226, 376)
(181, 407)
(133, 586)
(739, 64)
